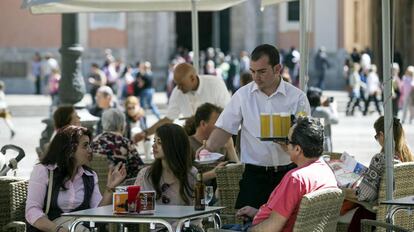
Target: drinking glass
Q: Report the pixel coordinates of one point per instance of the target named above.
(208, 194)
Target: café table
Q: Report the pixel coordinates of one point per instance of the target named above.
(404, 203)
(163, 215)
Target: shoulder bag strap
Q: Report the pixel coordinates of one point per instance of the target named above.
(49, 191)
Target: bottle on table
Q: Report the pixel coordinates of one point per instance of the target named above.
(199, 188)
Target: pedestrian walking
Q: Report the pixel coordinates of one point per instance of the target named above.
(321, 65)
(4, 111)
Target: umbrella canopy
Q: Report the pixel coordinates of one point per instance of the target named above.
(271, 2)
(85, 6)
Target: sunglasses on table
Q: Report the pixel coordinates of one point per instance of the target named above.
(164, 198)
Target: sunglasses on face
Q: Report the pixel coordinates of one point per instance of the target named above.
(291, 142)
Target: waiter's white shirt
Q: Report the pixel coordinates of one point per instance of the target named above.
(211, 89)
(244, 109)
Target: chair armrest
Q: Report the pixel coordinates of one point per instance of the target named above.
(366, 226)
(14, 224)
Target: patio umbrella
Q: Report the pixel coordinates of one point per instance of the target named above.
(271, 2)
(94, 6)
(388, 115)
(303, 49)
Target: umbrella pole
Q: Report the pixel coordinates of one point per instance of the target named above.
(194, 31)
(304, 58)
(388, 115)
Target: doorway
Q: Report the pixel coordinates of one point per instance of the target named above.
(205, 30)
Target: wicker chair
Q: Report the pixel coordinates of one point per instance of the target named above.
(319, 211)
(228, 187)
(403, 187)
(18, 195)
(5, 200)
(100, 165)
(368, 225)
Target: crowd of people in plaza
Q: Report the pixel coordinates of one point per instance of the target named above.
(221, 108)
(365, 86)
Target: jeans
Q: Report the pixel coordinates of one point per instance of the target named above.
(238, 227)
(146, 101)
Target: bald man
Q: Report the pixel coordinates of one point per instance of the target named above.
(191, 91)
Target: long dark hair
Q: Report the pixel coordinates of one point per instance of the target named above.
(61, 152)
(401, 147)
(62, 116)
(176, 147)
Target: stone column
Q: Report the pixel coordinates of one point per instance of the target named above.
(71, 85)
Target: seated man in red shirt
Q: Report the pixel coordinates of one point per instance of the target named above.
(305, 146)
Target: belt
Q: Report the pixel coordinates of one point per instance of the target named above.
(282, 168)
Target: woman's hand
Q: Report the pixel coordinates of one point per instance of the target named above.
(116, 175)
(350, 194)
(220, 166)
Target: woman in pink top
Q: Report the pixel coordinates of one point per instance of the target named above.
(75, 185)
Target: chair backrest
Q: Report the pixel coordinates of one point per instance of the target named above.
(403, 187)
(228, 187)
(18, 196)
(100, 165)
(319, 210)
(5, 198)
(333, 155)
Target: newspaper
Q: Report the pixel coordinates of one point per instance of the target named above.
(347, 170)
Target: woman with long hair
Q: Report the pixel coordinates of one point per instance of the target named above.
(171, 174)
(74, 185)
(368, 190)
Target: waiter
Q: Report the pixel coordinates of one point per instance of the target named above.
(265, 162)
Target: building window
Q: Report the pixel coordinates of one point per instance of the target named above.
(107, 20)
(293, 11)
